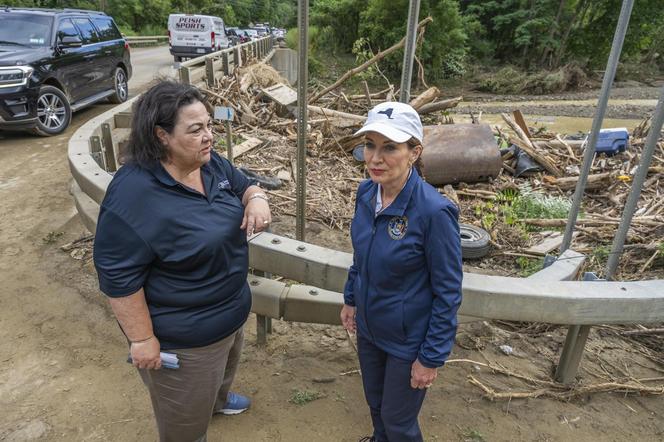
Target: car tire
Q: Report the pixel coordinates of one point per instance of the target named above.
(177, 58)
(120, 87)
(53, 112)
(474, 241)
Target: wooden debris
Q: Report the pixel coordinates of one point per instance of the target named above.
(552, 240)
(425, 97)
(524, 143)
(376, 58)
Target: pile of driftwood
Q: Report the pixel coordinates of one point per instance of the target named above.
(264, 113)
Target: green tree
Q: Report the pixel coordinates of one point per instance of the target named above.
(383, 22)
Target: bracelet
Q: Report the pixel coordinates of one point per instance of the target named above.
(140, 341)
(259, 195)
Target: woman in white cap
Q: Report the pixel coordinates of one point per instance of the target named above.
(404, 287)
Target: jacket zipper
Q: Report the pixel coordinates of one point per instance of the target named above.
(366, 298)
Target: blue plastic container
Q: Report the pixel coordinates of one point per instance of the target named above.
(612, 141)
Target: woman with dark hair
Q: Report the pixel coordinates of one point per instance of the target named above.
(172, 258)
(404, 287)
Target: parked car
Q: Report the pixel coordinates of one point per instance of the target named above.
(251, 33)
(236, 36)
(192, 35)
(56, 61)
(261, 30)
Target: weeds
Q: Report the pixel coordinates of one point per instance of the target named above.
(52, 237)
(301, 397)
(529, 266)
(473, 436)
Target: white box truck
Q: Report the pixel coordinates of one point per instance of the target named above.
(191, 35)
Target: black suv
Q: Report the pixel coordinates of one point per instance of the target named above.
(55, 61)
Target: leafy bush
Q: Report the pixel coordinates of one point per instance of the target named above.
(531, 204)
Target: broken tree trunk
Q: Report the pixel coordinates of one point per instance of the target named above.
(367, 63)
(595, 181)
(336, 114)
(425, 97)
(439, 105)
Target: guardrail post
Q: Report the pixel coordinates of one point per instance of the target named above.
(209, 71)
(184, 75)
(575, 342)
(237, 52)
(224, 63)
(107, 148)
(263, 323)
(577, 335)
(96, 151)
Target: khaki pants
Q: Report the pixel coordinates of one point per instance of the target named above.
(185, 399)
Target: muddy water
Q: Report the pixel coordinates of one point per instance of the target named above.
(565, 116)
(562, 125)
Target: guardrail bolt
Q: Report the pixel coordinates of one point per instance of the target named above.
(276, 241)
(301, 248)
(313, 292)
(254, 282)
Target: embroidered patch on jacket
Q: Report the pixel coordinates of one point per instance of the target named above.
(397, 227)
(224, 185)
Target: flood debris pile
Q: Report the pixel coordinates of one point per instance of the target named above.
(524, 208)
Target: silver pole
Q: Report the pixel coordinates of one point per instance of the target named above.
(302, 80)
(609, 75)
(409, 51)
(229, 141)
(635, 192)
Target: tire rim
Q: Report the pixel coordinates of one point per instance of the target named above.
(469, 234)
(121, 85)
(51, 111)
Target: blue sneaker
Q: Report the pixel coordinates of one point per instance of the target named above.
(235, 404)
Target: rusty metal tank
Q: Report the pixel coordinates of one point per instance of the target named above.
(459, 152)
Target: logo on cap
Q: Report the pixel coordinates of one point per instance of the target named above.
(397, 227)
(387, 112)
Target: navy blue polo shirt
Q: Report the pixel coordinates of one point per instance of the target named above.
(185, 249)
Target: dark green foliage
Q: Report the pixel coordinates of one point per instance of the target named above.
(526, 35)
(384, 22)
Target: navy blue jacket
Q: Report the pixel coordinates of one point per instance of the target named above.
(406, 276)
(185, 249)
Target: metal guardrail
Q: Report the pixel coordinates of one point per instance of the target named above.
(146, 40)
(206, 70)
(548, 296)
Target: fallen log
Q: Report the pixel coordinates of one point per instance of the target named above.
(376, 58)
(439, 105)
(425, 97)
(336, 114)
(559, 222)
(595, 181)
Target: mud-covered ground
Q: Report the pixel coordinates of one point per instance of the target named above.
(626, 102)
(63, 375)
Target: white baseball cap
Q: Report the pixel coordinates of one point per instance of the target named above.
(397, 121)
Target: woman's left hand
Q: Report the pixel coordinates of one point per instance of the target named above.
(421, 376)
(257, 216)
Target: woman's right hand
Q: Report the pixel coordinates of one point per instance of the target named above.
(146, 354)
(348, 318)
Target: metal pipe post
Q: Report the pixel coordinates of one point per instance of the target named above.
(302, 80)
(635, 192)
(409, 51)
(229, 141)
(609, 75)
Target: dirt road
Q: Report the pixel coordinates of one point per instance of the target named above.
(63, 375)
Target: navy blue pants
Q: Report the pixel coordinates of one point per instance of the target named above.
(393, 403)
